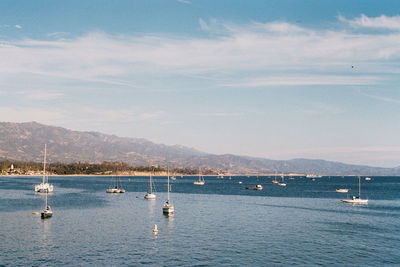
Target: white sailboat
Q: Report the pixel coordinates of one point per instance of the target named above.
(283, 183)
(46, 212)
(356, 199)
(168, 208)
(200, 181)
(342, 190)
(44, 186)
(150, 194)
(116, 188)
(275, 181)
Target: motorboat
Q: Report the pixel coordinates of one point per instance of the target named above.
(258, 187)
(342, 190)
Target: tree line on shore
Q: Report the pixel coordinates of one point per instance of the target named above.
(84, 168)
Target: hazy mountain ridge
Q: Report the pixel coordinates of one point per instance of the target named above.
(25, 141)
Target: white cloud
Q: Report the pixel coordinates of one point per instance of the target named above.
(381, 22)
(184, 1)
(270, 47)
(303, 81)
(40, 94)
(18, 26)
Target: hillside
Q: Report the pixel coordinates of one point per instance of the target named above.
(25, 141)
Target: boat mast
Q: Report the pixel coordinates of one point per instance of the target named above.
(45, 201)
(168, 181)
(151, 188)
(44, 164)
(359, 187)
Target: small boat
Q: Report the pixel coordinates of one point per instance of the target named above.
(168, 208)
(44, 187)
(46, 212)
(313, 176)
(116, 188)
(173, 178)
(150, 194)
(342, 190)
(368, 178)
(220, 176)
(275, 181)
(240, 182)
(356, 199)
(258, 187)
(282, 183)
(200, 181)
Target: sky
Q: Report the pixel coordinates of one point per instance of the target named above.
(277, 79)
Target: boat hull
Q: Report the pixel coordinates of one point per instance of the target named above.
(198, 183)
(46, 214)
(150, 196)
(355, 201)
(44, 188)
(115, 190)
(168, 209)
(342, 190)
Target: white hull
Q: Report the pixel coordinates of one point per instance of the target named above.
(198, 182)
(357, 201)
(258, 187)
(275, 182)
(168, 209)
(367, 179)
(44, 187)
(150, 196)
(281, 184)
(115, 190)
(342, 190)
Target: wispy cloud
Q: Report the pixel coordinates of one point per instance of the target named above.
(40, 95)
(381, 22)
(184, 1)
(303, 81)
(277, 47)
(18, 26)
(382, 98)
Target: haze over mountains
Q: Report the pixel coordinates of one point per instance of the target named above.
(25, 142)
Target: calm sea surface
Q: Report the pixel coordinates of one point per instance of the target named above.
(218, 224)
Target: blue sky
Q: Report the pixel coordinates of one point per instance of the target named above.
(274, 79)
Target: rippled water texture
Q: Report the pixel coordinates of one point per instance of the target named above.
(220, 223)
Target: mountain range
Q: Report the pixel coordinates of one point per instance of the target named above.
(25, 142)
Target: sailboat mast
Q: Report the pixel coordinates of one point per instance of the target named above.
(151, 188)
(359, 186)
(45, 200)
(44, 164)
(168, 181)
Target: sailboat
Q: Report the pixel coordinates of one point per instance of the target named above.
(200, 181)
(275, 181)
(44, 186)
(168, 208)
(356, 199)
(282, 184)
(150, 194)
(116, 188)
(46, 212)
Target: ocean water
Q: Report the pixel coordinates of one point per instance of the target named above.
(218, 224)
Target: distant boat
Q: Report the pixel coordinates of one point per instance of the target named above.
(220, 176)
(356, 199)
(168, 208)
(342, 190)
(368, 178)
(240, 182)
(150, 194)
(282, 184)
(275, 181)
(46, 212)
(44, 187)
(200, 181)
(116, 187)
(258, 187)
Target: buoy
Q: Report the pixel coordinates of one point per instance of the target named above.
(155, 229)
(35, 213)
(137, 196)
